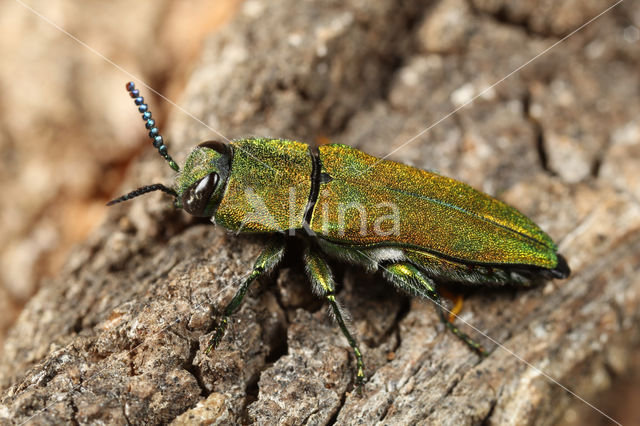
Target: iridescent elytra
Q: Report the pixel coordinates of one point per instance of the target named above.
(337, 200)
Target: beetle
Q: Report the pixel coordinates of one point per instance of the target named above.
(443, 229)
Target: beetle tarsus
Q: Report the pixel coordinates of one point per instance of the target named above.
(217, 336)
(359, 386)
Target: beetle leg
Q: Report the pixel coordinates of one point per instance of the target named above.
(323, 284)
(413, 280)
(268, 259)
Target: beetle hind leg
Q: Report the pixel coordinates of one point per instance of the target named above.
(267, 260)
(322, 279)
(411, 279)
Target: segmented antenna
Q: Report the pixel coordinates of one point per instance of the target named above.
(143, 190)
(154, 133)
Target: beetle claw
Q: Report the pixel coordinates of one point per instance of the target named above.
(217, 336)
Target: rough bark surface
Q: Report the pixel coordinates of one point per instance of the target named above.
(119, 336)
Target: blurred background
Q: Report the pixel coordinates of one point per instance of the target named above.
(68, 130)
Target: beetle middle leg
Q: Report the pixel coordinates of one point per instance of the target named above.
(267, 260)
(323, 284)
(410, 278)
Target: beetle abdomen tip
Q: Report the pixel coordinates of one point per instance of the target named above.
(562, 269)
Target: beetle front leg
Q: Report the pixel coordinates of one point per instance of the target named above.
(323, 284)
(410, 278)
(268, 259)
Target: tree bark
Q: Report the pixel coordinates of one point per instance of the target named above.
(120, 335)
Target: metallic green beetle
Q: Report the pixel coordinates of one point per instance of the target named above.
(441, 229)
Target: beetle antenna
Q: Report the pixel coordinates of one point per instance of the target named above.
(154, 133)
(143, 190)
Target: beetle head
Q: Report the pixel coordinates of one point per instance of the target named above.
(201, 183)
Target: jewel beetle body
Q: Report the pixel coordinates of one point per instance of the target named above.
(415, 226)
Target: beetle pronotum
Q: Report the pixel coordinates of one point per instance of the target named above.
(443, 229)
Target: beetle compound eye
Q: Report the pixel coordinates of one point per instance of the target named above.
(196, 198)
